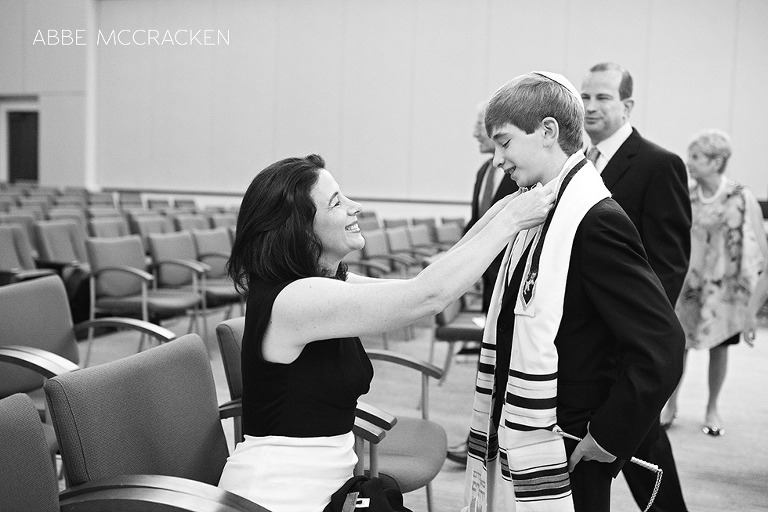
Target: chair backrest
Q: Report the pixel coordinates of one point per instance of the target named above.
(213, 241)
(15, 248)
(368, 223)
(108, 227)
(230, 336)
(109, 252)
(143, 225)
(461, 221)
(449, 233)
(71, 200)
(34, 313)
(154, 412)
(190, 221)
(398, 239)
(375, 244)
(99, 211)
(61, 241)
(395, 223)
(168, 246)
(67, 213)
(158, 204)
(430, 222)
(449, 314)
(223, 219)
(27, 476)
(419, 235)
(101, 198)
(187, 203)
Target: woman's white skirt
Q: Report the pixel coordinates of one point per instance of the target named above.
(290, 474)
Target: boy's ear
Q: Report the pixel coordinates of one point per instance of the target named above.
(550, 130)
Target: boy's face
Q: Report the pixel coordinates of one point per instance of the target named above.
(521, 155)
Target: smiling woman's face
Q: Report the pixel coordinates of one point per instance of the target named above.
(335, 221)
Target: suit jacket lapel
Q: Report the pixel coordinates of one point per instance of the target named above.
(487, 166)
(621, 160)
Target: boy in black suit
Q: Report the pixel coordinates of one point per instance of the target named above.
(579, 334)
(651, 185)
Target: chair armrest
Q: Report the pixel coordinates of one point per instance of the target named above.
(40, 361)
(368, 431)
(16, 275)
(375, 415)
(161, 333)
(196, 266)
(57, 266)
(142, 274)
(152, 493)
(231, 409)
(425, 368)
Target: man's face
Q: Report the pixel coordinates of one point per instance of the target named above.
(520, 154)
(604, 111)
(484, 143)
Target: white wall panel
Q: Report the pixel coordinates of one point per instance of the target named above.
(13, 46)
(62, 139)
(449, 69)
(749, 130)
(377, 91)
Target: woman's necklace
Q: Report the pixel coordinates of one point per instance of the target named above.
(714, 197)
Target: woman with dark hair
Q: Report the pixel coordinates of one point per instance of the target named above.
(302, 362)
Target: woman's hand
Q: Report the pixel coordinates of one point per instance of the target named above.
(530, 208)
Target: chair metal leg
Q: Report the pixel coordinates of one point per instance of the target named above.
(448, 360)
(429, 497)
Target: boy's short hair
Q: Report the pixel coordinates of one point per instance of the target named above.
(526, 100)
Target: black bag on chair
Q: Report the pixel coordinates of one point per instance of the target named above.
(364, 494)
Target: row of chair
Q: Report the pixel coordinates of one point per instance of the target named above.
(156, 413)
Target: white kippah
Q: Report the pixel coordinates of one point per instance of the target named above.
(560, 79)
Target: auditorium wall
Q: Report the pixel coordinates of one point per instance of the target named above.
(385, 91)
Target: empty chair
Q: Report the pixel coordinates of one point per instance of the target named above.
(39, 336)
(129, 200)
(96, 211)
(185, 203)
(175, 259)
(120, 285)
(6, 203)
(144, 225)
(190, 221)
(461, 221)
(153, 413)
(71, 200)
(61, 243)
(37, 203)
(448, 234)
(101, 199)
(67, 213)
(431, 224)
(223, 219)
(108, 227)
(17, 261)
(421, 239)
(377, 249)
(368, 223)
(158, 204)
(399, 241)
(395, 223)
(27, 221)
(452, 325)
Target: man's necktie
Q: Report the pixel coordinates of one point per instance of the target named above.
(593, 154)
(487, 199)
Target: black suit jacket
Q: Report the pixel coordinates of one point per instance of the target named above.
(651, 185)
(620, 346)
(506, 186)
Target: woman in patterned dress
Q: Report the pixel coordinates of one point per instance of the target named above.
(728, 258)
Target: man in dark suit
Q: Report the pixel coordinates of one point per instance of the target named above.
(597, 346)
(650, 184)
(491, 184)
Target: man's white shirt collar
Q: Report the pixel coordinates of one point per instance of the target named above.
(611, 145)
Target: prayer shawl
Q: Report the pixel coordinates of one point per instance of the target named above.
(525, 453)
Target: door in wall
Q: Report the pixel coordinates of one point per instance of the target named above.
(22, 146)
